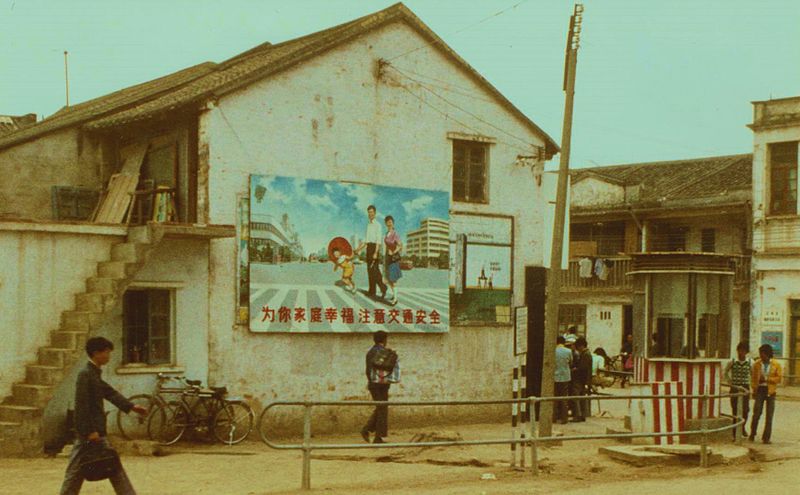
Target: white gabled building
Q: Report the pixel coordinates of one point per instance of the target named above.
(324, 106)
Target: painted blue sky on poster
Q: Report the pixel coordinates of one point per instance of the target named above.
(320, 210)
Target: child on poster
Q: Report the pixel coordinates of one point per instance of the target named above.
(346, 264)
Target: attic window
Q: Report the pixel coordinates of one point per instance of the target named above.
(470, 171)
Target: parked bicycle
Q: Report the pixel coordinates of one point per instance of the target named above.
(134, 426)
(205, 410)
(616, 370)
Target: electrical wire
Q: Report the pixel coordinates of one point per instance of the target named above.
(450, 117)
(439, 40)
(476, 117)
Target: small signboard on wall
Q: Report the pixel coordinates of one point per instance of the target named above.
(772, 317)
(520, 330)
(775, 339)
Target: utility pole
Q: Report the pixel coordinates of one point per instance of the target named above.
(556, 253)
(66, 75)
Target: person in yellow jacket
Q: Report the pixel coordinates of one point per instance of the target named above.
(764, 381)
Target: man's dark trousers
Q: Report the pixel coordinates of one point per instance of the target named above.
(73, 480)
(562, 390)
(379, 421)
(763, 396)
(580, 407)
(374, 270)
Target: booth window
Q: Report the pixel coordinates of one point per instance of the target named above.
(470, 171)
(783, 178)
(147, 326)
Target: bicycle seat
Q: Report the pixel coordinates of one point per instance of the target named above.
(194, 383)
(220, 390)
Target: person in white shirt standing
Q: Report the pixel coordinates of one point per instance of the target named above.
(372, 241)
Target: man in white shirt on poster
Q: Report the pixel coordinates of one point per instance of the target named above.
(372, 241)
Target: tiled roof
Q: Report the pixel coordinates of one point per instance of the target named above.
(13, 123)
(124, 98)
(210, 80)
(678, 181)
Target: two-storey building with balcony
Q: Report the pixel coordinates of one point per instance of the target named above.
(776, 227)
(698, 205)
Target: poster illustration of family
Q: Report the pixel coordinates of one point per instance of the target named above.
(327, 256)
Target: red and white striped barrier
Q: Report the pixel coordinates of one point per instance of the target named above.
(649, 415)
(698, 377)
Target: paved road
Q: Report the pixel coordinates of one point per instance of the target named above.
(423, 300)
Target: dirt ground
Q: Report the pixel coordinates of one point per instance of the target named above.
(573, 468)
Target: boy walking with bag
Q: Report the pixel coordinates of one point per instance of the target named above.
(90, 421)
(382, 371)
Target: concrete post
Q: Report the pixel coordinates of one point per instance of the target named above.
(306, 484)
(703, 436)
(533, 441)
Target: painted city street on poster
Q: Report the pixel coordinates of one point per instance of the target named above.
(308, 257)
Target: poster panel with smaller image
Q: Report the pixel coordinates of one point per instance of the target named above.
(487, 272)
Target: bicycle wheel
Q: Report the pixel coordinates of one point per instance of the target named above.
(233, 422)
(133, 426)
(168, 422)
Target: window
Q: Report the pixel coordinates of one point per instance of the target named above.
(783, 178)
(73, 203)
(669, 238)
(572, 315)
(470, 171)
(708, 240)
(147, 326)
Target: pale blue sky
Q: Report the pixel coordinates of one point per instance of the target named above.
(657, 80)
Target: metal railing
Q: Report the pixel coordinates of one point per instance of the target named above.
(532, 442)
(615, 279)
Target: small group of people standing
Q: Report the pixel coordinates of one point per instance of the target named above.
(760, 378)
(573, 375)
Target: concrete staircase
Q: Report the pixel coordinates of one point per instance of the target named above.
(21, 412)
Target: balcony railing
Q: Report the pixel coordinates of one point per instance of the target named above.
(618, 266)
(615, 278)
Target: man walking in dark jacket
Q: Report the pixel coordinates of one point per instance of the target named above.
(379, 421)
(90, 417)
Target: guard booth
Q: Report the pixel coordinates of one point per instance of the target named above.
(682, 338)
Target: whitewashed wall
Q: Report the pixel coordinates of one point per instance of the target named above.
(42, 267)
(330, 118)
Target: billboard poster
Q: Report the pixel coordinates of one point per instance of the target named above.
(313, 265)
(486, 295)
(775, 339)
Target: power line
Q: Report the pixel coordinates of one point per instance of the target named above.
(439, 40)
(434, 93)
(450, 117)
(446, 85)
